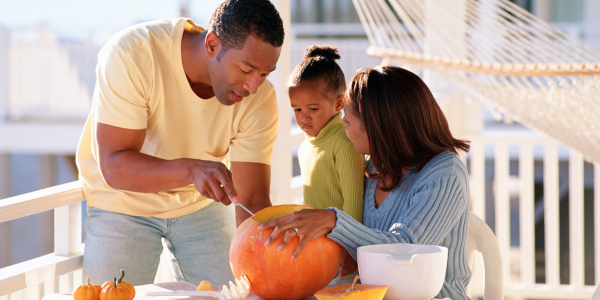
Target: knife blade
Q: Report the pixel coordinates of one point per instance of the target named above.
(238, 204)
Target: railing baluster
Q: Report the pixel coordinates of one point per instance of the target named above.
(477, 178)
(502, 205)
(551, 214)
(576, 244)
(67, 229)
(526, 215)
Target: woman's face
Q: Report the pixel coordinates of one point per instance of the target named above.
(355, 131)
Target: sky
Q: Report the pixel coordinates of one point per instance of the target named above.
(80, 19)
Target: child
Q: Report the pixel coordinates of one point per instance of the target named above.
(333, 173)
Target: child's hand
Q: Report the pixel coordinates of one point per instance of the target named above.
(349, 265)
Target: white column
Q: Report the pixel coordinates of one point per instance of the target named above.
(542, 9)
(464, 117)
(281, 162)
(4, 39)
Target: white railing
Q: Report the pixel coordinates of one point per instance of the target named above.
(61, 271)
(521, 264)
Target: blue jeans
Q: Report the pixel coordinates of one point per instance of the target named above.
(199, 244)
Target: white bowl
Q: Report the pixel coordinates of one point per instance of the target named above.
(411, 271)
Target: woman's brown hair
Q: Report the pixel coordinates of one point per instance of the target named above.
(404, 124)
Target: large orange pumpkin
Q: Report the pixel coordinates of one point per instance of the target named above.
(272, 274)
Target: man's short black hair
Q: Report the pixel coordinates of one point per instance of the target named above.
(234, 20)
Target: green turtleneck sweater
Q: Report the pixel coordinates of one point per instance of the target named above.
(333, 173)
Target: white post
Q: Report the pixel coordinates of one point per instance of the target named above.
(67, 229)
(551, 215)
(502, 205)
(576, 238)
(281, 162)
(527, 215)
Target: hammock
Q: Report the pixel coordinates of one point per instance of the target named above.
(499, 53)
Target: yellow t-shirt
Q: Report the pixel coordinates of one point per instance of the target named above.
(141, 85)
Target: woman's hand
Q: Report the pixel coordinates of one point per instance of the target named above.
(349, 265)
(308, 224)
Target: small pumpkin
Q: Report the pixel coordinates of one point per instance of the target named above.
(87, 291)
(114, 292)
(122, 283)
(353, 292)
(204, 286)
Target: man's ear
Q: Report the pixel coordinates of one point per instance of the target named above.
(212, 44)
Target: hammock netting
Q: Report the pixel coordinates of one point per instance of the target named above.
(498, 53)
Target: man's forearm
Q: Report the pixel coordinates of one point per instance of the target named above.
(138, 172)
(252, 181)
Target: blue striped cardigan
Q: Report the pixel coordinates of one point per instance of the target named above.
(427, 207)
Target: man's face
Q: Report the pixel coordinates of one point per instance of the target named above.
(239, 73)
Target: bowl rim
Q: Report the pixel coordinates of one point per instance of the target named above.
(402, 248)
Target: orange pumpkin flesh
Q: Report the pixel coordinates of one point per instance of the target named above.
(271, 273)
(353, 292)
(204, 286)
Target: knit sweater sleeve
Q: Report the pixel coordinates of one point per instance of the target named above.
(350, 167)
(435, 208)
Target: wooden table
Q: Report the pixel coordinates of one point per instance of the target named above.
(141, 290)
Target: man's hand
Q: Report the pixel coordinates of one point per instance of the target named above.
(210, 178)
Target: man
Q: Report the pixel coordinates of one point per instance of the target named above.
(171, 102)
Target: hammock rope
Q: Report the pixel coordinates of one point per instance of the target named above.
(499, 53)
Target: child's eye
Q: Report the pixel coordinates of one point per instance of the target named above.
(314, 109)
(245, 72)
(297, 109)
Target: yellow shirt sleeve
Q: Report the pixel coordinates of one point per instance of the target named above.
(122, 91)
(257, 132)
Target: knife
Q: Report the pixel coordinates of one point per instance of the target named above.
(238, 204)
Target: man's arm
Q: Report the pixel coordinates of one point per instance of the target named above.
(124, 167)
(252, 182)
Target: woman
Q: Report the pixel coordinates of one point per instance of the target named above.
(416, 190)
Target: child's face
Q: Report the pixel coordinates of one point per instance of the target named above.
(312, 108)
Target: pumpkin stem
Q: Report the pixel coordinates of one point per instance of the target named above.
(115, 282)
(88, 282)
(353, 283)
(122, 275)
